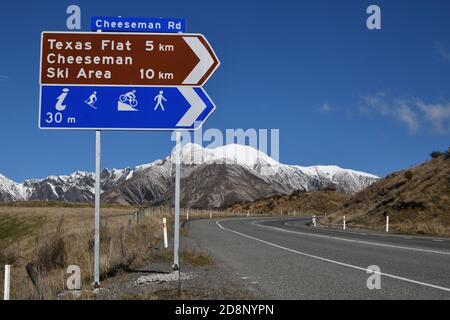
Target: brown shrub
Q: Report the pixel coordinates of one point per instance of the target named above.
(8, 256)
(436, 154)
(408, 175)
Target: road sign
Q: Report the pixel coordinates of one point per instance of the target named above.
(125, 81)
(126, 59)
(123, 108)
(127, 24)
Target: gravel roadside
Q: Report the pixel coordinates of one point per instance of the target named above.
(202, 278)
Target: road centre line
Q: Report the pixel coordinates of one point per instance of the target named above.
(350, 240)
(334, 261)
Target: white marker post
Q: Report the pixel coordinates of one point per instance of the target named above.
(343, 225)
(97, 210)
(187, 215)
(7, 282)
(210, 214)
(166, 244)
(314, 221)
(387, 223)
(176, 231)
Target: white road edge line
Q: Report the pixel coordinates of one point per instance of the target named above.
(350, 240)
(334, 261)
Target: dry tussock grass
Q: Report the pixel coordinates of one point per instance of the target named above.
(298, 203)
(40, 259)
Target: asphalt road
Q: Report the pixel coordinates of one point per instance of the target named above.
(283, 258)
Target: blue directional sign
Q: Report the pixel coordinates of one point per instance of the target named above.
(123, 108)
(127, 24)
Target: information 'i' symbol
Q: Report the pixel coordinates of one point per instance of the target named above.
(59, 104)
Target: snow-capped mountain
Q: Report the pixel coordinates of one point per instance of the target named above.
(235, 173)
(11, 191)
(77, 187)
(210, 178)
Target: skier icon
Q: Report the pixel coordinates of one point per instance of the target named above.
(160, 98)
(92, 100)
(127, 101)
(59, 104)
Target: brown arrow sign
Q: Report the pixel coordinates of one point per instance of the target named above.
(139, 59)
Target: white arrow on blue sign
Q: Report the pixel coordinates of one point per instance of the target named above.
(123, 108)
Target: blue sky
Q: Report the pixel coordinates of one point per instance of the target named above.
(375, 101)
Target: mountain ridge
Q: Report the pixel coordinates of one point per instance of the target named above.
(210, 178)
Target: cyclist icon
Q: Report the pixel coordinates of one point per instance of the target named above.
(129, 97)
(127, 101)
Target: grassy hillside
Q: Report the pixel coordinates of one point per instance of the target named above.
(302, 203)
(417, 201)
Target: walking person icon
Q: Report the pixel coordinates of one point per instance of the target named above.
(160, 98)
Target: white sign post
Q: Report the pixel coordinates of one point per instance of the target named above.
(387, 223)
(97, 210)
(176, 231)
(343, 225)
(7, 282)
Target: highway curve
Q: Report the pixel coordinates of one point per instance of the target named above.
(285, 259)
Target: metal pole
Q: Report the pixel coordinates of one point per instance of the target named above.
(176, 235)
(7, 282)
(97, 210)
